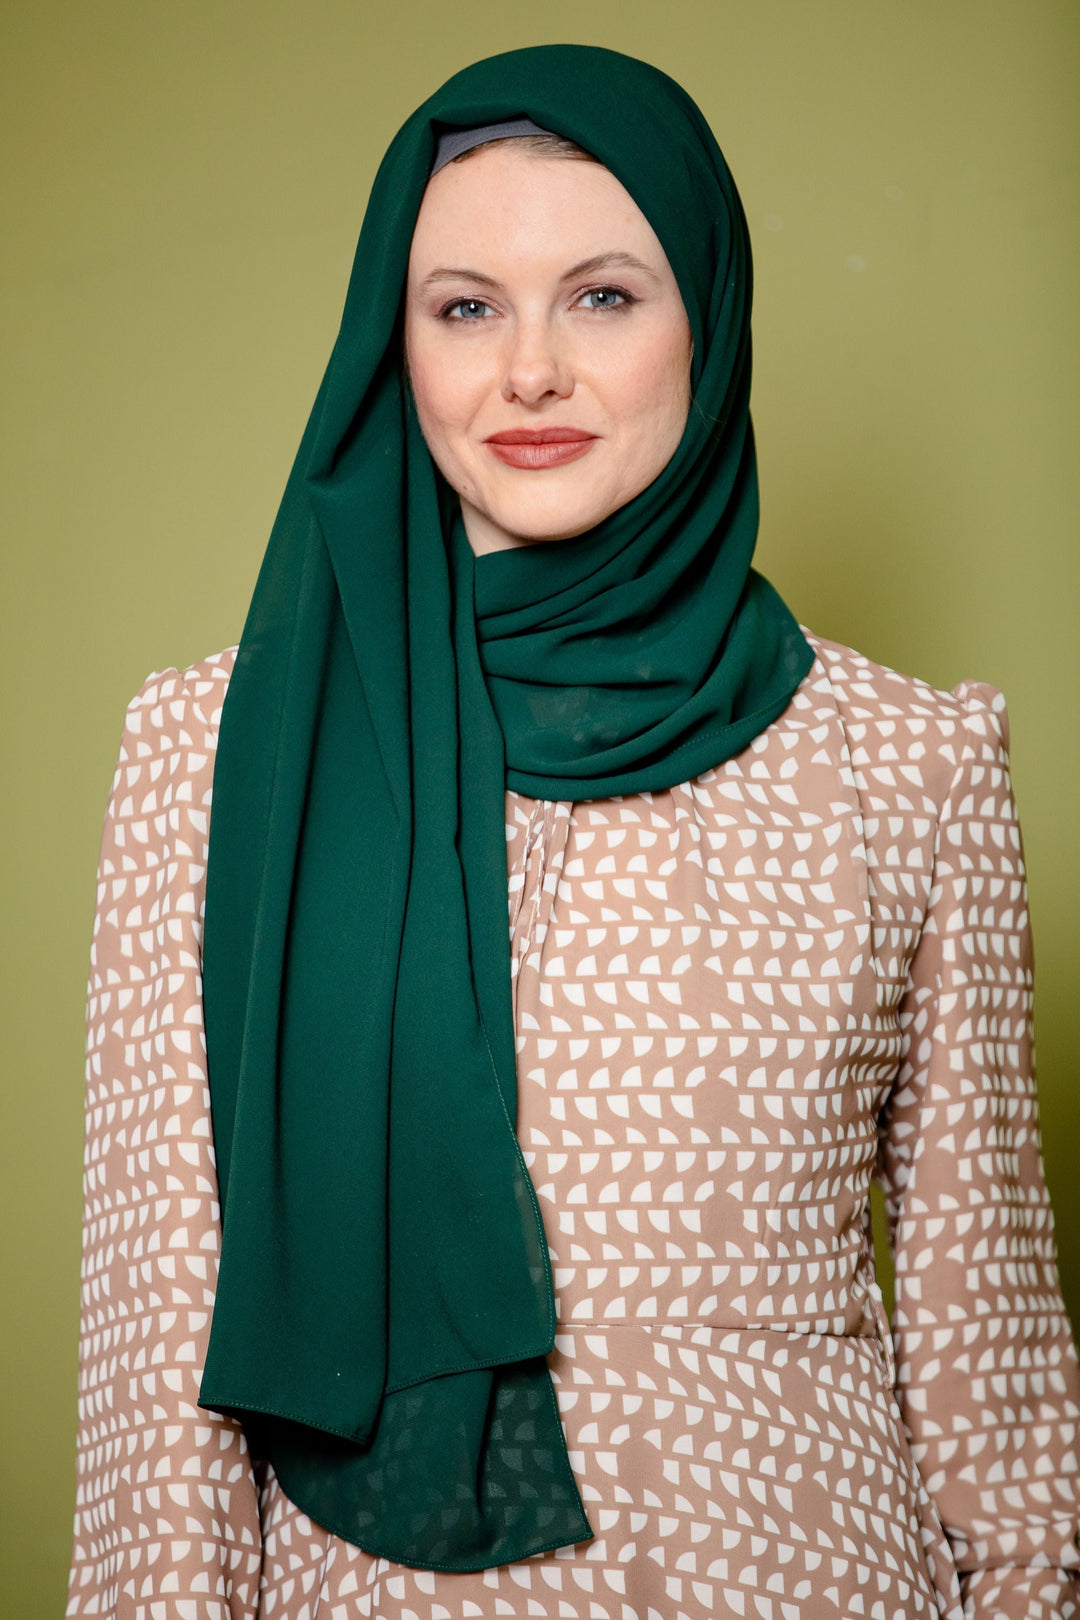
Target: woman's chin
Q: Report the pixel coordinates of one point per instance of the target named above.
(503, 529)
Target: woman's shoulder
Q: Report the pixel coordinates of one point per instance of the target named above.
(169, 693)
(157, 817)
(168, 745)
(176, 708)
(874, 700)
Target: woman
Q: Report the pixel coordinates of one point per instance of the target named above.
(545, 1279)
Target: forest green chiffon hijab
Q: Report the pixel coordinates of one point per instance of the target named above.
(385, 1300)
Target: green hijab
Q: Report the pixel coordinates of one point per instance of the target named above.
(385, 1300)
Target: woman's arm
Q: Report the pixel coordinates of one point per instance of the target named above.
(987, 1370)
(167, 1512)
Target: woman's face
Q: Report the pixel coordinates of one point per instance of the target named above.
(547, 344)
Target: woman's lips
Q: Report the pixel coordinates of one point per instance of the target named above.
(540, 447)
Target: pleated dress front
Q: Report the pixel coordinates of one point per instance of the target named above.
(736, 1002)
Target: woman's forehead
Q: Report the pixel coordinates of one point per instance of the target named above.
(521, 206)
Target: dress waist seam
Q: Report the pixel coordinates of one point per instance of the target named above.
(673, 1325)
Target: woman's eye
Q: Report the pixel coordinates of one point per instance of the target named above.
(467, 309)
(604, 298)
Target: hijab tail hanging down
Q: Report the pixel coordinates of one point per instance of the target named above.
(385, 1303)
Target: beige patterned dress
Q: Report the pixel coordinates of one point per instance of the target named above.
(736, 1002)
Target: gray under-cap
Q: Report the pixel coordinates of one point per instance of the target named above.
(453, 142)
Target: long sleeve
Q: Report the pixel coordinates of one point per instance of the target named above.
(166, 1524)
(987, 1377)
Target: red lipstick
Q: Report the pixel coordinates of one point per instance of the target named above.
(536, 448)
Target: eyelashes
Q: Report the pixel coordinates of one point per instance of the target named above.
(479, 309)
(473, 304)
(625, 299)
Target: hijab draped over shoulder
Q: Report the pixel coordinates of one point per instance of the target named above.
(385, 1299)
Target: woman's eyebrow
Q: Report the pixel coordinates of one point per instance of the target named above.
(607, 261)
(585, 267)
(476, 277)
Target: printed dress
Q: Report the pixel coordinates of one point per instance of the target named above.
(736, 1002)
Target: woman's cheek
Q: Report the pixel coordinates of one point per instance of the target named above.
(464, 380)
(456, 459)
(670, 392)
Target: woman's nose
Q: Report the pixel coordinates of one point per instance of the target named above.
(536, 365)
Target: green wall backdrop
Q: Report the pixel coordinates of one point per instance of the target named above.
(182, 188)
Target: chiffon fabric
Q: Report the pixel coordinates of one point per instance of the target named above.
(385, 1302)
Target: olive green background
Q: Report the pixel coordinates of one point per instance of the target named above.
(182, 190)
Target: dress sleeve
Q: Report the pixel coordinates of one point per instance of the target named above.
(987, 1379)
(166, 1521)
